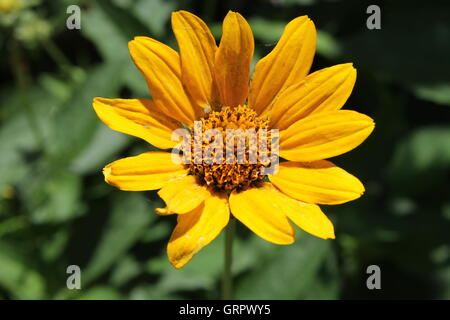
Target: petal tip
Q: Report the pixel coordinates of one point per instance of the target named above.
(351, 66)
(107, 176)
(371, 125)
(290, 241)
(95, 102)
(178, 13)
(177, 264)
(107, 171)
(163, 211)
(131, 43)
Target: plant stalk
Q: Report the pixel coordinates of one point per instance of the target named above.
(227, 289)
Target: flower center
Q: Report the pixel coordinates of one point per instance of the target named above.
(230, 149)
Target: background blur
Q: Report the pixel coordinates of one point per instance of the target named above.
(56, 210)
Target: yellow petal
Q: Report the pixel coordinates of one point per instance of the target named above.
(163, 211)
(183, 195)
(317, 182)
(139, 118)
(309, 218)
(147, 171)
(160, 66)
(197, 52)
(233, 59)
(323, 90)
(324, 135)
(256, 209)
(288, 63)
(196, 229)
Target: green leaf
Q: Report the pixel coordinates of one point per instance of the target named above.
(18, 136)
(174, 281)
(15, 138)
(104, 144)
(100, 293)
(268, 31)
(54, 199)
(105, 34)
(125, 270)
(54, 246)
(127, 24)
(18, 277)
(439, 93)
(199, 274)
(130, 217)
(149, 292)
(160, 13)
(412, 55)
(76, 124)
(158, 231)
(287, 273)
(327, 45)
(423, 156)
(105, 30)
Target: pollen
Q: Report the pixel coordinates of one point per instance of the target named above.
(230, 148)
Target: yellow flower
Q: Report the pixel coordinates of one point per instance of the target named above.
(210, 83)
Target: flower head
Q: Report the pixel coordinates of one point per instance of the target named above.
(282, 111)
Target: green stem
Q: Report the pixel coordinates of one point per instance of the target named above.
(227, 289)
(56, 54)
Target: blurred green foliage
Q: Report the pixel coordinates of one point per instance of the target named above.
(56, 210)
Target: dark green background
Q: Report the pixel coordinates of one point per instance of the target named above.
(56, 210)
